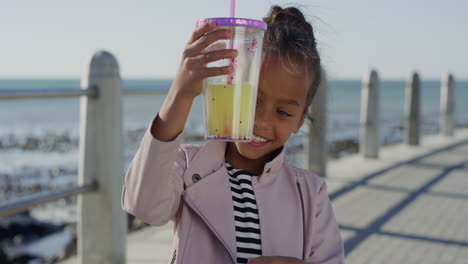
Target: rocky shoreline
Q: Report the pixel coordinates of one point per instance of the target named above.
(23, 229)
(63, 142)
(20, 233)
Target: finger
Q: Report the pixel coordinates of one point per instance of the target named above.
(215, 71)
(211, 56)
(209, 38)
(216, 46)
(201, 30)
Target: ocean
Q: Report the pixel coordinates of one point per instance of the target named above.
(39, 137)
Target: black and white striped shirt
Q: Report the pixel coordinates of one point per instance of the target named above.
(248, 242)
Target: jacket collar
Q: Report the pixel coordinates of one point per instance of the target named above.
(212, 153)
(213, 212)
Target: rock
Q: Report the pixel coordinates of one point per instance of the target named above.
(31, 144)
(27, 258)
(3, 257)
(339, 147)
(50, 142)
(22, 228)
(71, 249)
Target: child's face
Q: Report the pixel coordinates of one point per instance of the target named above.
(280, 107)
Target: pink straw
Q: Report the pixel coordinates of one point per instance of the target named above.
(232, 9)
(232, 12)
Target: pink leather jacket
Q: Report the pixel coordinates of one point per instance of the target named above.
(189, 185)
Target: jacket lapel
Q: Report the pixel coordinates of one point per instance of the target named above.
(210, 197)
(280, 213)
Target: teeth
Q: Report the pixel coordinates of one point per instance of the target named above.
(259, 139)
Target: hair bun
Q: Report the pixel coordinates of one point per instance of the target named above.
(290, 15)
(291, 22)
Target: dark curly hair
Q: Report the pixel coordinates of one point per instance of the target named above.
(290, 38)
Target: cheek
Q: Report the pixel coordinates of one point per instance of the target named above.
(285, 129)
(297, 124)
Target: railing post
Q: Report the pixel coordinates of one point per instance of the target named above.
(412, 109)
(447, 106)
(369, 134)
(102, 224)
(315, 143)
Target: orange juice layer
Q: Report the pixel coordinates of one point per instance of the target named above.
(229, 109)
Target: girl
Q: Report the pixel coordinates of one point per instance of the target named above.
(237, 202)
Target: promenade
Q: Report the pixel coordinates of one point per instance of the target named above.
(408, 206)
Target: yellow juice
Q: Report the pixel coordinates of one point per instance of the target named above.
(229, 111)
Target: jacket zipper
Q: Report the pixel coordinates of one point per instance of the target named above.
(303, 222)
(211, 231)
(174, 256)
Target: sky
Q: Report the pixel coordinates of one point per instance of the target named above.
(53, 38)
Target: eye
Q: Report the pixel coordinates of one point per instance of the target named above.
(283, 113)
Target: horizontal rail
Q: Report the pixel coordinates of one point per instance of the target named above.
(7, 94)
(46, 93)
(140, 91)
(11, 208)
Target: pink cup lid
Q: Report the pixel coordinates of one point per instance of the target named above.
(233, 21)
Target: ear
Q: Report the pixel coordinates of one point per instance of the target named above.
(299, 125)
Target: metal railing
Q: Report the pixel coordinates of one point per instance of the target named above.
(15, 207)
(6, 94)
(46, 93)
(24, 204)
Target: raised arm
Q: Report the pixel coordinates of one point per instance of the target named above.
(153, 183)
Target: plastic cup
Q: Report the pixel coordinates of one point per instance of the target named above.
(230, 100)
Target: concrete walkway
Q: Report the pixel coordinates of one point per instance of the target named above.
(408, 206)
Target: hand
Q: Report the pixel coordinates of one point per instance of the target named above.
(275, 260)
(192, 70)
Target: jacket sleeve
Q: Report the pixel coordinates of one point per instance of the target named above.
(153, 183)
(327, 246)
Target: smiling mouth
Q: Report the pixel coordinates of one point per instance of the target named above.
(259, 139)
